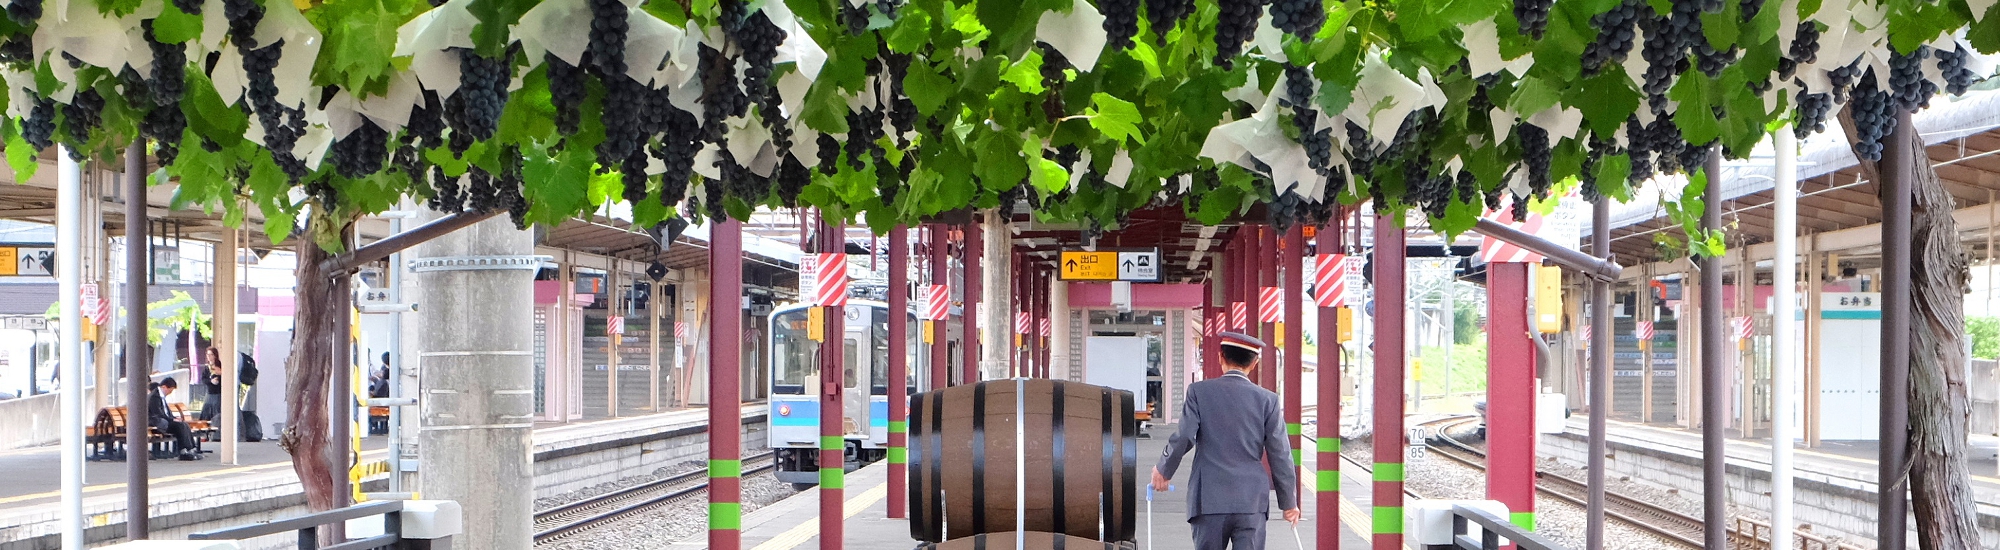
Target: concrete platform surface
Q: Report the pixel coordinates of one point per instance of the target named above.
(794, 522)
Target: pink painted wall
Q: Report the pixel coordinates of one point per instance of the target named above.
(1144, 295)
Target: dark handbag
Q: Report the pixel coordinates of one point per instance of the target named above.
(252, 429)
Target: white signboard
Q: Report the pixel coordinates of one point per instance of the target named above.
(808, 278)
(1139, 266)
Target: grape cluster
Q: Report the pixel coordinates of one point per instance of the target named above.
(362, 152)
(479, 189)
(511, 185)
(1164, 15)
(1804, 50)
(190, 7)
(165, 126)
(1639, 146)
(138, 95)
(1053, 78)
(1301, 18)
(18, 49)
(1711, 61)
(1361, 152)
(1234, 27)
(1906, 79)
(902, 111)
(1666, 145)
(1283, 210)
(829, 154)
(758, 38)
(1593, 154)
(1809, 117)
(39, 129)
(1121, 21)
(1841, 80)
(482, 93)
(426, 123)
(1665, 52)
(889, 178)
(791, 179)
(624, 132)
(677, 146)
(1951, 64)
(855, 18)
(447, 197)
(863, 128)
(169, 69)
(83, 114)
(1750, 8)
(632, 173)
(322, 191)
(1616, 30)
(1874, 118)
(24, 12)
(1536, 155)
(566, 92)
(1694, 156)
(243, 16)
(720, 97)
(608, 27)
(1533, 16)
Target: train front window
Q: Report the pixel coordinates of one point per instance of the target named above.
(852, 365)
(795, 356)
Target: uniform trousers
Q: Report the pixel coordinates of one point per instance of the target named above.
(1219, 531)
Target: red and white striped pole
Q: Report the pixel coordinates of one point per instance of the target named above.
(1326, 516)
(832, 428)
(1267, 277)
(975, 290)
(940, 273)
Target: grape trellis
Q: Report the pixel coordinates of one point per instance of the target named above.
(887, 112)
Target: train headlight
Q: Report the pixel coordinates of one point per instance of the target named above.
(784, 410)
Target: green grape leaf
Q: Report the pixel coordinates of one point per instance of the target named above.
(1605, 100)
(911, 32)
(174, 26)
(1913, 24)
(1533, 95)
(1116, 118)
(118, 8)
(1612, 171)
(1000, 163)
(825, 110)
(1217, 204)
(605, 187)
(1026, 74)
(207, 115)
(21, 157)
(1986, 38)
(925, 87)
(352, 56)
(490, 37)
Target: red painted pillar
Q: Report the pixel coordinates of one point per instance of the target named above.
(940, 335)
(1045, 288)
(725, 411)
(1510, 393)
(975, 290)
(1390, 370)
(1246, 279)
(1267, 277)
(1326, 515)
(1213, 316)
(1018, 306)
(832, 416)
(1295, 294)
(899, 369)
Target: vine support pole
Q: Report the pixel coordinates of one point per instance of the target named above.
(138, 249)
(1390, 370)
(1600, 376)
(899, 367)
(69, 279)
(1714, 375)
(725, 408)
(1897, 170)
(1784, 302)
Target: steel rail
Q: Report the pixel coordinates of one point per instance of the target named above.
(583, 515)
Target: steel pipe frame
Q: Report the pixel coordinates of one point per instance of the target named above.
(1390, 370)
(138, 249)
(899, 367)
(1714, 375)
(1600, 377)
(1326, 519)
(725, 418)
(395, 243)
(1784, 302)
(1294, 346)
(1510, 393)
(69, 280)
(1599, 267)
(832, 413)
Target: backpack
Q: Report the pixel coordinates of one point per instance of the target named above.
(252, 430)
(247, 373)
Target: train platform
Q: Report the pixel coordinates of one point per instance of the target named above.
(262, 485)
(794, 522)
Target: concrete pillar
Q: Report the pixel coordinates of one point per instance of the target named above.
(997, 326)
(224, 325)
(1056, 359)
(477, 375)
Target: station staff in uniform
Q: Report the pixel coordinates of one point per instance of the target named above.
(1237, 432)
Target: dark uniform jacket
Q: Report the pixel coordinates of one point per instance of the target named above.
(1236, 430)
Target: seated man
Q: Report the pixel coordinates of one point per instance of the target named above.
(163, 420)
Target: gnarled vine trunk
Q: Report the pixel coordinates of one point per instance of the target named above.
(1938, 472)
(316, 340)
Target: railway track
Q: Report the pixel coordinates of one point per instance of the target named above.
(1665, 523)
(569, 519)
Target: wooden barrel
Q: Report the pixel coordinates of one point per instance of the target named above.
(1079, 447)
(1031, 540)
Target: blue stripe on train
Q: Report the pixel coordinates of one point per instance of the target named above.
(800, 413)
(878, 412)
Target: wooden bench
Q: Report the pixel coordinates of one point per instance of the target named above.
(378, 421)
(106, 435)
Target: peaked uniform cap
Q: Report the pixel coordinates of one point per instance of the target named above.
(1241, 340)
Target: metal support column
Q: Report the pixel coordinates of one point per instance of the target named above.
(1267, 277)
(224, 328)
(69, 293)
(1600, 376)
(1510, 392)
(1326, 515)
(138, 249)
(899, 368)
(653, 298)
(1390, 370)
(1294, 345)
(940, 329)
(614, 336)
(1212, 316)
(832, 415)
(1897, 173)
(725, 411)
(1045, 281)
(1784, 303)
(975, 289)
(1714, 376)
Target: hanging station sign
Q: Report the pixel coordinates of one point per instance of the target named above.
(1136, 265)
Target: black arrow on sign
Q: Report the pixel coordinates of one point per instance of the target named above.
(1128, 265)
(1072, 265)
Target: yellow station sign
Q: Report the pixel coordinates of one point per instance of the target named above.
(1083, 265)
